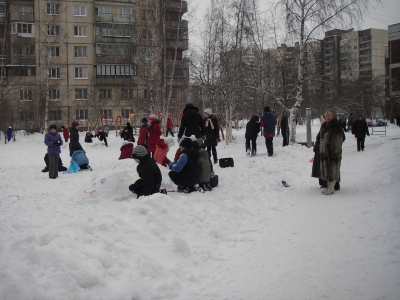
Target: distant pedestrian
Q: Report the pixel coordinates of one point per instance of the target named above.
(252, 130)
(398, 119)
(102, 136)
(268, 121)
(211, 130)
(143, 133)
(154, 134)
(74, 138)
(53, 142)
(360, 130)
(106, 129)
(9, 133)
(191, 123)
(65, 133)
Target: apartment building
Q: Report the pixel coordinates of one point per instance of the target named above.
(91, 59)
(393, 68)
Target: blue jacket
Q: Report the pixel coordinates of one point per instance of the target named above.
(50, 139)
(80, 157)
(268, 120)
(9, 132)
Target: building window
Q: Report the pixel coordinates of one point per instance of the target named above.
(26, 116)
(147, 34)
(79, 10)
(124, 11)
(54, 52)
(148, 94)
(79, 30)
(82, 114)
(53, 9)
(126, 93)
(53, 30)
(105, 93)
(54, 94)
(103, 11)
(54, 73)
(355, 47)
(81, 73)
(2, 9)
(116, 70)
(148, 54)
(120, 50)
(24, 50)
(107, 113)
(25, 95)
(54, 115)
(113, 29)
(81, 94)
(22, 28)
(26, 10)
(80, 51)
(125, 113)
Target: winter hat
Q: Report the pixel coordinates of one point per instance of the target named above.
(74, 123)
(53, 126)
(186, 143)
(189, 105)
(144, 120)
(208, 111)
(267, 109)
(152, 117)
(139, 152)
(169, 141)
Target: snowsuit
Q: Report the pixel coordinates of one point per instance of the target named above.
(191, 123)
(74, 142)
(80, 158)
(252, 131)
(126, 150)
(268, 121)
(88, 137)
(53, 142)
(360, 129)
(162, 147)
(65, 134)
(130, 129)
(143, 135)
(150, 177)
(186, 171)
(211, 130)
(9, 133)
(154, 136)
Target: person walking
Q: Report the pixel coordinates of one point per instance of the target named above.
(211, 129)
(74, 138)
(360, 129)
(65, 133)
(330, 150)
(268, 122)
(9, 133)
(252, 130)
(191, 123)
(53, 142)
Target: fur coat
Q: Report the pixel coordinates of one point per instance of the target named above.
(330, 150)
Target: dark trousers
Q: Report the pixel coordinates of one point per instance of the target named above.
(53, 165)
(253, 144)
(175, 177)
(169, 130)
(66, 140)
(212, 149)
(360, 144)
(270, 145)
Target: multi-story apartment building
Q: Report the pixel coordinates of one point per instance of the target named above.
(82, 60)
(393, 70)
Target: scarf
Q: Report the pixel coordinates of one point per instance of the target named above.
(209, 121)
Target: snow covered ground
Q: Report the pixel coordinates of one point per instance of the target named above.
(86, 236)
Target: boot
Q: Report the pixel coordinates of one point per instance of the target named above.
(331, 188)
(248, 152)
(253, 152)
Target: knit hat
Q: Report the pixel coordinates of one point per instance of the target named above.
(208, 111)
(152, 117)
(53, 126)
(74, 123)
(139, 152)
(144, 120)
(186, 143)
(267, 109)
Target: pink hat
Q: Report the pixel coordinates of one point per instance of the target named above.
(152, 117)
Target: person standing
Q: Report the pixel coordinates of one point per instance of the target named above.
(211, 129)
(191, 123)
(53, 142)
(74, 141)
(398, 119)
(154, 134)
(268, 121)
(102, 136)
(330, 150)
(65, 133)
(252, 130)
(130, 130)
(284, 129)
(360, 129)
(9, 133)
(170, 125)
(143, 133)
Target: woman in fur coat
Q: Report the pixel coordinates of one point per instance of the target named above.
(330, 150)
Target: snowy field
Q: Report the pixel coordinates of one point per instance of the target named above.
(86, 236)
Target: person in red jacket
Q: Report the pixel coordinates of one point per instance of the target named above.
(169, 126)
(154, 134)
(65, 133)
(162, 147)
(143, 133)
(126, 150)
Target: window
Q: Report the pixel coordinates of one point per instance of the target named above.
(126, 93)
(82, 114)
(22, 28)
(54, 73)
(125, 113)
(54, 52)
(53, 9)
(53, 30)
(81, 94)
(54, 115)
(147, 34)
(120, 50)
(26, 116)
(79, 30)
(105, 93)
(147, 14)
(355, 47)
(116, 70)
(25, 95)
(113, 29)
(103, 11)
(81, 73)
(148, 54)
(26, 10)
(79, 10)
(80, 51)
(148, 94)
(2, 9)
(124, 11)
(24, 50)
(107, 113)
(54, 94)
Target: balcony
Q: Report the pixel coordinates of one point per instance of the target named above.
(19, 17)
(176, 6)
(116, 39)
(17, 39)
(116, 81)
(174, 24)
(117, 59)
(115, 18)
(23, 60)
(181, 44)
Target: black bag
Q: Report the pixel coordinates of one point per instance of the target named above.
(214, 181)
(226, 162)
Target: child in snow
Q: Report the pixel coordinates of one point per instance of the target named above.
(126, 150)
(126, 135)
(149, 173)
(106, 129)
(205, 165)
(143, 133)
(185, 172)
(162, 147)
(102, 136)
(53, 142)
(79, 156)
(169, 126)
(252, 130)
(65, 133)
(9, 133)
(154, 134)
(89, 137)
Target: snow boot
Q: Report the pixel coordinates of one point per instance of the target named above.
(248, 152)
(331, 188)
(198, 188)
(253, 152)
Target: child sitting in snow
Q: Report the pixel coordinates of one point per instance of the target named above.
(126, 150)
(205, 165)
(162, 147)
(89, 137)
(79, 156)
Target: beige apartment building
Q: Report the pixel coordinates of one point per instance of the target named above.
(91, 59)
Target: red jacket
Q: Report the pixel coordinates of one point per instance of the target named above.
(160, 156)
(142, 139)
(66, 133)
(169, 123)
(126, 151)
(154, 135)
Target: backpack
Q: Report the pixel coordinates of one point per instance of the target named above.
(226, 162)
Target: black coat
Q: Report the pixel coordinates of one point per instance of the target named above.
(190, 173)
(360, 129)
(191, 123)
(211, 129)
(74, 140)
(252, 128)
(149, 172)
